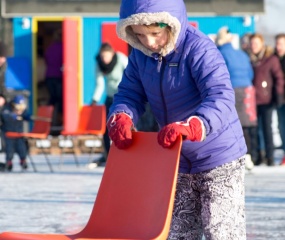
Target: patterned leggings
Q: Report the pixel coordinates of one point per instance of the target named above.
(210, 203)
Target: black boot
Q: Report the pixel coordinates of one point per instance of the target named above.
(24, 164)
(270, 162)
(9, 166)
(261, 160)
(2, 167)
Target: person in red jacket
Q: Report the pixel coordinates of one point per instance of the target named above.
(269, 84)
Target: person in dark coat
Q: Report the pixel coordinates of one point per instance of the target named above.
(241, 75)
(269, 84)
(280, 53)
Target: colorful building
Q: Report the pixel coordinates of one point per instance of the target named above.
(82, 37)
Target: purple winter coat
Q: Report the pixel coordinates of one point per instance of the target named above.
(191, 80)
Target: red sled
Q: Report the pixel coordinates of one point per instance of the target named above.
(135, 198)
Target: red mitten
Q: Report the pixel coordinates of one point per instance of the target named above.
(193, 129)
(120, 130)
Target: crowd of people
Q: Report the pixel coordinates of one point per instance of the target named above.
(257, 76)
(259, 70)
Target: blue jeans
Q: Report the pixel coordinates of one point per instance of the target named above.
(264, 115)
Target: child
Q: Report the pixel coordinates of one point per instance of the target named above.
(13, 116)
(183, 76)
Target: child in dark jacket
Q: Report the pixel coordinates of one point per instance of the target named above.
(13, 116)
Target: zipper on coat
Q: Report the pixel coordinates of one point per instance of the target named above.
(161, 67)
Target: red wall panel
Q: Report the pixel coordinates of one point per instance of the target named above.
(109, 35)
(70, 75)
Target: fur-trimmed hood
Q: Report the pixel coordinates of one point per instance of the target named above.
(138, 12)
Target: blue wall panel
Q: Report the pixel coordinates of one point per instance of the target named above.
(91, 46)
(211, 25)
(23, 50)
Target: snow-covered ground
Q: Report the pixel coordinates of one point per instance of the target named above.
(60, 202)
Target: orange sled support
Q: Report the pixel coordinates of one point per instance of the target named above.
(135, 197)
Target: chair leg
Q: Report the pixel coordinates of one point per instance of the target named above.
(90, 155)
(46, 157)
(32, 162)
(62, 150)
(29, 156)
(74, 153)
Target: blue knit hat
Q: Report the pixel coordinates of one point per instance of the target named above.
(19, 99)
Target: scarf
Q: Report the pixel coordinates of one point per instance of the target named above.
(107, 68)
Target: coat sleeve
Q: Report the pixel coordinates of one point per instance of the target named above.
(212, 78)
(131, 97)
(278, 76)
(100, 86)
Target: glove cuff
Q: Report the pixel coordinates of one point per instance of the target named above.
(114, 118)
(198, 129)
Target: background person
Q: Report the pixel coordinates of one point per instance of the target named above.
(269, 84)
(110, 66)
(241, 75)
(54, 76)
(183, 76)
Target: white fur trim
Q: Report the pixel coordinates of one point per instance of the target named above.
(147, 19)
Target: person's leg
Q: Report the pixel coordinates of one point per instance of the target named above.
(248, 160)
(281, 127)
(59, 93)
(9, 150)
(21, 149)
(106, 139)
(51, 90)
(253, 143)
(108, 103)
(260, 136)
(268, 134)
(186, 221)
(223, 201)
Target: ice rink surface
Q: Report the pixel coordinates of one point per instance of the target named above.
(61, 202)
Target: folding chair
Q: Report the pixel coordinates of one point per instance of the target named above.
(40, 131)
(135, 197)
(92, 121)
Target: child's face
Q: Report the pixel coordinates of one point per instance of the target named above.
(18, 111)
(19, 108)
(152, 37)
